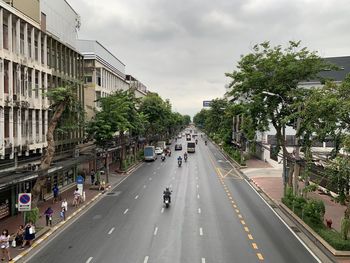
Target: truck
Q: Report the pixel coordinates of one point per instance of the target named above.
(191, 147)
(149, 153)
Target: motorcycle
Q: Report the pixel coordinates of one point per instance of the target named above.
(185, 158)
(167, 201)
(205, 142)
(163, 158)
(179, 162)
(196, 141)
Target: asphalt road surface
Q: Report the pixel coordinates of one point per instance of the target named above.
(215, 216)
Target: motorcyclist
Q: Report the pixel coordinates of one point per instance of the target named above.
(196, 141)
(163, 156)
(169, 152)
(185, 156)
(167, 194)
(205, 142)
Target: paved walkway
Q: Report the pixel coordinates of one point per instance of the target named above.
(270, 180)
(13, 222)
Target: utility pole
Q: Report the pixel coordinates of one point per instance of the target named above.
(284, 172)
(297, 157)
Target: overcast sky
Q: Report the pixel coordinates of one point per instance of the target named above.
(181, 49)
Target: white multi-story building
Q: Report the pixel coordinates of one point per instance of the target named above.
(103, 72)
(37, 53)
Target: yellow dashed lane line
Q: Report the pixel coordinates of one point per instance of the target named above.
(246, 229)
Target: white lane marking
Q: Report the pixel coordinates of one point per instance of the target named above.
(136, 196)
(173, 178)
(203, 260)
(111, 231)
(89, 260)
(201, 231)
(296, 236)
(144, 186)
(155, 231)
(146, 259)
(126, 210)
(150, 178)
(198, 196)
(199, 211)
(197, 186)
(197, 178)
(162, 211)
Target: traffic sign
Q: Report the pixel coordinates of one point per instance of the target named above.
(24, 202)
(206, 103)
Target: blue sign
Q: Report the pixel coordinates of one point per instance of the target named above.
(80, 179)
(206, 103)
(24, 199)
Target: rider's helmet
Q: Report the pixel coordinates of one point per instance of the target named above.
(167, 189)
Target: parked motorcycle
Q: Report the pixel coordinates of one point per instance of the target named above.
(179, 162)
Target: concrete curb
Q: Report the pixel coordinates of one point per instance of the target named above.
(48, 233)
(44, 236)
(335, 252)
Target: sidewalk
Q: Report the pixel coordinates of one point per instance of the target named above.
(269, 179)
(13, 222)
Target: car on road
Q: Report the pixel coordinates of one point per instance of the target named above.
(191, 147)
(179, 136)
(178, 147)
(158, 150)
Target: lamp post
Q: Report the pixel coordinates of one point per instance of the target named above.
(284, 171)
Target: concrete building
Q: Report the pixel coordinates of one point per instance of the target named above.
(104, 74)
(36, 53)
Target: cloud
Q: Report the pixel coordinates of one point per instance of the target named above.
(181, 49)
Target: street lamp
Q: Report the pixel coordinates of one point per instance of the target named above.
(284, 171)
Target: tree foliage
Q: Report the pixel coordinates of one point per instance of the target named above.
(118, 114)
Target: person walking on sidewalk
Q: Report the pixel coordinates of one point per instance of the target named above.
(48, 214)
(55, 191)
(64, 208)
(77, 197)
(92, 176)
(5, 245)
(29, 234)
(19, 237)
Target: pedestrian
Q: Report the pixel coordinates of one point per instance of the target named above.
(55, 191)
(29, 234)
(64, 208)
(63, 213)
(5, 245)
(77, 197)
(19, 237)
(92, 176)
(64, 205)
(48, 215)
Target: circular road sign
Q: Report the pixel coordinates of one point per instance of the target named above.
(24, 198)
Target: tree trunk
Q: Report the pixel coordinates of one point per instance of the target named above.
(49, 154)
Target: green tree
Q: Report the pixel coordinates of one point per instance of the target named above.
(267, 80)
(63, 100)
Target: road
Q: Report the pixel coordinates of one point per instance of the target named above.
(215, 216)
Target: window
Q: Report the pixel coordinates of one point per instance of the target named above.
(88, 79)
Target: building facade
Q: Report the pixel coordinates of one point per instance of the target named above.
(32, 61)
(104, 74)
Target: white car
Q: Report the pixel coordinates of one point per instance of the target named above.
(158, 150)
(179, 136)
